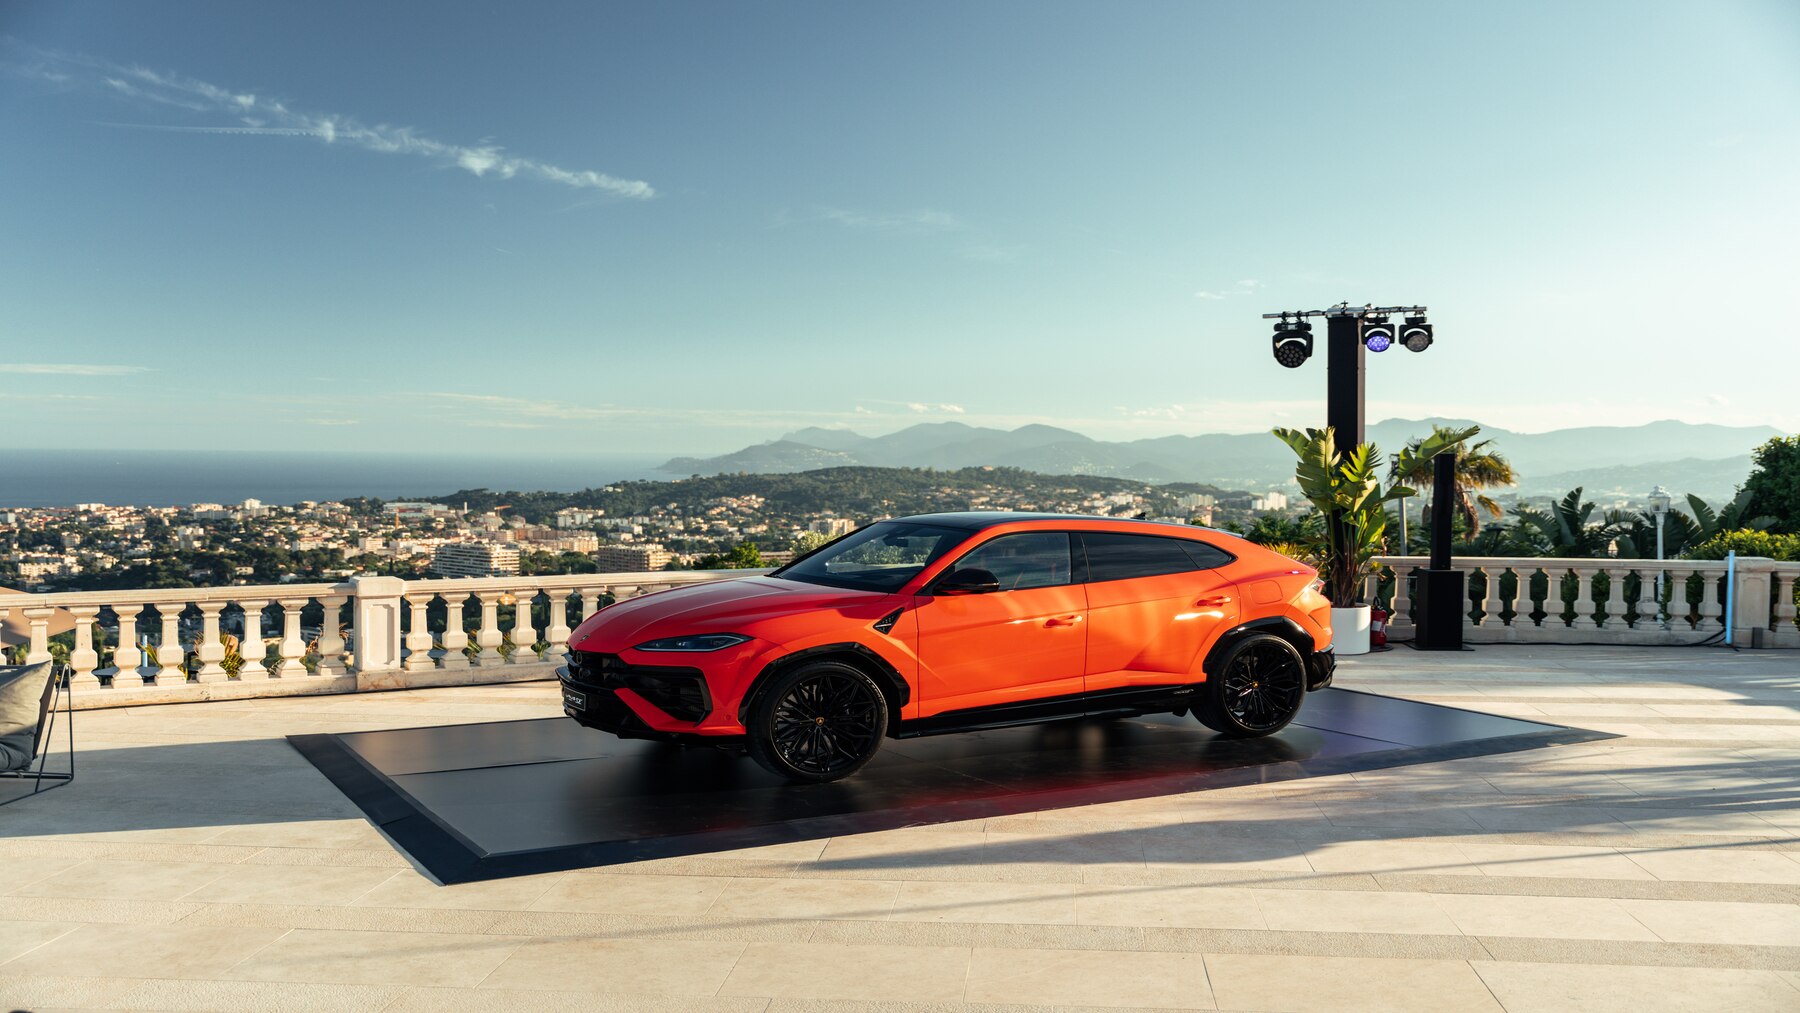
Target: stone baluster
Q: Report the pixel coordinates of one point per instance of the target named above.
(171, 657)
(556, 633)
(127, 657)
(209, 649)
(1614, 619)
(418, 639)
(488, 638)
(455, 637)
(1491, 604)
(37, 646)
(1520, 592)
(1584, 598)
(1712, 610)
(83, 659)
(590, 601)
(251, 644)
(1402, 600)
(524, 634)
(293, 642)
(331, 635)
(1785, 613)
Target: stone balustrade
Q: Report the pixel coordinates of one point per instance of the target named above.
(184, 644)
(388, 633)
(1625, 601)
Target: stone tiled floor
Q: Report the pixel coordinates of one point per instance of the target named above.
(200, 864)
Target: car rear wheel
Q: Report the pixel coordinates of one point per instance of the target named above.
(1256, 690)
(817, 722)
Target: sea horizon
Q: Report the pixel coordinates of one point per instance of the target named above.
(60, 478)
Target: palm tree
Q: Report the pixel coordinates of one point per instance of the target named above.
(1478, 467)
(1569, 529)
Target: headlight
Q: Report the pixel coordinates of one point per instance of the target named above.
(698, 642)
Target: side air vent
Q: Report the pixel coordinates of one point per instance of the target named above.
(886, 623)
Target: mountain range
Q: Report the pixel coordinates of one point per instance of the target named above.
(1710, 460)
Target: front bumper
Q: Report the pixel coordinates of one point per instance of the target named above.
(1319, 668)
(634, 701)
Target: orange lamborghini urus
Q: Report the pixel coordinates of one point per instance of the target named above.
(951, 622)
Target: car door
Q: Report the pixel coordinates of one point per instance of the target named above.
(1155, 604)
(1024, 640)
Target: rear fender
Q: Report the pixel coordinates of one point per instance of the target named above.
(1281, 626)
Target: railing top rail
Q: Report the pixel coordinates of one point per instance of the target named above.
(573, 581)
(433, 585)
(171, 595)
(1555, 562)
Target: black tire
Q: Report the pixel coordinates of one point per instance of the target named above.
(817, 722)
(1256, 690)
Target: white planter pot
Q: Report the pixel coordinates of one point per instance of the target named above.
(1350, 630)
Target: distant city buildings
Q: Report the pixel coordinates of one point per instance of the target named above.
(632, 558)
(832, 526)
(475, 559)
(1270, 501)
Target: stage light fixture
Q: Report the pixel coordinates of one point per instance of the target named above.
(1415, 334)
(1293, 343)
(1377, 334)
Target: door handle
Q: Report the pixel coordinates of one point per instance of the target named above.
(1062, 621)
(1212, 601)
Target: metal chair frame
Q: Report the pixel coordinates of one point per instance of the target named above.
(57, 693)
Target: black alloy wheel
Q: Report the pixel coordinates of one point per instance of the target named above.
(1257, 689)
(818, 722)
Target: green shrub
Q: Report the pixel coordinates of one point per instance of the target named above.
(1747, 542)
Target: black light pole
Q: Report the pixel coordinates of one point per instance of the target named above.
(1441, 594)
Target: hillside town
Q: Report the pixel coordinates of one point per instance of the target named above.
(94, 546)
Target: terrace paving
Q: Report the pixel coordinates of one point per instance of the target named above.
(199, 863)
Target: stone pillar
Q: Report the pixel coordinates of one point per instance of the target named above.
(376, 622)
(293, 644)
(127, 657)
(1751, 601)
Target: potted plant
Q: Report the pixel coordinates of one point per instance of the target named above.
(1346, 491)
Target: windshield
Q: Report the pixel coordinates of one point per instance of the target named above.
(880, 557)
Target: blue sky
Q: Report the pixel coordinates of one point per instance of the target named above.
(549, 229)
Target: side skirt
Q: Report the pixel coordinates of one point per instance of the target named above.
(1125, 701)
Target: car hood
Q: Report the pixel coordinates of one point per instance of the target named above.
(725, 606)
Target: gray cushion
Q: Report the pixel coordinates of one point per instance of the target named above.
(24, 699)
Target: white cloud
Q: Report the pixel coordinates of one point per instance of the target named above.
(1244, 287)
(333, 422)
(69, 369)
(920, 222)
(258, 115)
(935, 409)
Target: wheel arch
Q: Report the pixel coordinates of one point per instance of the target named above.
(1281, 626)
(864, 659)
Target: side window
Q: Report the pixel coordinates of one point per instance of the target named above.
(1206, 556)
(1121, 557)
(1029, 559)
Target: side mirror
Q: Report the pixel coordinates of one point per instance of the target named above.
(971, 581)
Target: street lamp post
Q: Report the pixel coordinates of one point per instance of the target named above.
(1659, 508)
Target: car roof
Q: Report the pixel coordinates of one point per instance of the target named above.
(979, 519)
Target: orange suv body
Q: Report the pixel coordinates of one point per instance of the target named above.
(959, 621)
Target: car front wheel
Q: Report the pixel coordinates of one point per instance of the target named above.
(1256, 690)
(818, 722)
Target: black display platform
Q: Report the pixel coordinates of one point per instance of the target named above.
(507, 798)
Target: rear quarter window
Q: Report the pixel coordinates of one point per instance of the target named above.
(1122, 557)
